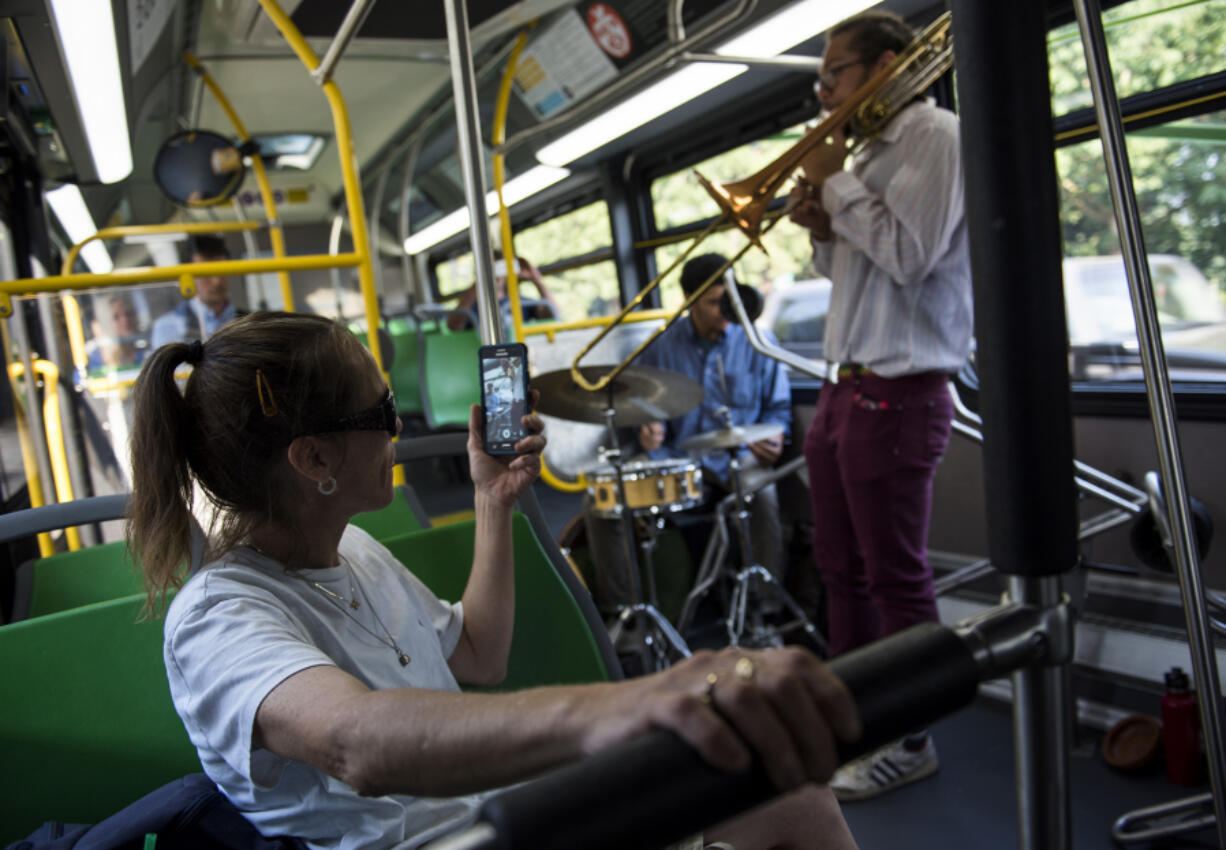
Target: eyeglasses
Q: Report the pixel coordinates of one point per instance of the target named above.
(828, 79)
(380, 417)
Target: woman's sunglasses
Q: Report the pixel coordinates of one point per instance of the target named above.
(380, 417)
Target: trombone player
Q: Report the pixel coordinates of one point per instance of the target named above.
(889, 229)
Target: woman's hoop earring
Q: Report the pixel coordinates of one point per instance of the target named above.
(327, 487)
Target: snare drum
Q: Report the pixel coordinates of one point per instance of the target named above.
(652, 487)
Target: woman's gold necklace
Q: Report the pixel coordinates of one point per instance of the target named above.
(345, 605)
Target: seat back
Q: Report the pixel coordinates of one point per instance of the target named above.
(72, 579)
(402, 516)
(404, 375)
(552, 643)
(86, 721)
(449, 376)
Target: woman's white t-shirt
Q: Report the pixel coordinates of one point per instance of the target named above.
(242, 625)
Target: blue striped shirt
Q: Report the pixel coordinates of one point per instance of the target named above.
(899, 256)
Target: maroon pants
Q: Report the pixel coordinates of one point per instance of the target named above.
(872, 452)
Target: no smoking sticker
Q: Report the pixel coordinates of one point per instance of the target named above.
(609, 30)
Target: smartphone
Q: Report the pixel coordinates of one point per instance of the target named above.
(504, 395)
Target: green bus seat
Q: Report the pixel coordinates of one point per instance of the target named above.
(403, 515)
(86, 722)
(449, 376)
(552, 643)
(404, 375)
(71, 579)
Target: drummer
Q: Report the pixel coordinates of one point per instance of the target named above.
(753, 388)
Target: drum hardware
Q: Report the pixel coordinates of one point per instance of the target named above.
(745, 623)
(653, 488)
(636, 396)
(639, 395)
(658, 635)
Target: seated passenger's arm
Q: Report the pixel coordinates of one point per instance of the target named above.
(480, 658)
(433, 743)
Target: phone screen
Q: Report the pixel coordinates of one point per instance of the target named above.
(504, 396)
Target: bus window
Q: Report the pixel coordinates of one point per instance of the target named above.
(1176, 168)
(581, 289)
(1152, 44)
(678, 200)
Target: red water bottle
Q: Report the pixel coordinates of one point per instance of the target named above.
(1180, 730)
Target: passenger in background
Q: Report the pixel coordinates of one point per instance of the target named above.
(544, 307)
(318, 678)
(891, 235)
(753, 388)
(199, 317)
(124, 345)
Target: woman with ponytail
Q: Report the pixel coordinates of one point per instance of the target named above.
(319, 680)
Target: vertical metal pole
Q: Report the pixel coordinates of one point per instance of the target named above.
(1161, 401)
(415, 281)
(1042, 728)
(376, 208)
(1012, 212)
(468, 132)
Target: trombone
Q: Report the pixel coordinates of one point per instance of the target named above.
(745, 202)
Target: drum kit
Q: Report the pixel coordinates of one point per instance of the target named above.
(641, 494)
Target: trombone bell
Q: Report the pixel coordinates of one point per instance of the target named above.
(740, 203)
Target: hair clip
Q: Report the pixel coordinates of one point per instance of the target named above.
(265, 393)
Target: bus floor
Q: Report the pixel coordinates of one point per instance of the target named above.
(971, 801)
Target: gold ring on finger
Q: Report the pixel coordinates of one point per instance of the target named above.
(709, 688)
(744, 669)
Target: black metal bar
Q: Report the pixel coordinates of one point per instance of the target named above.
(1013, 213)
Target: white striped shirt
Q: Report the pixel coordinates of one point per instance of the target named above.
(899, 257)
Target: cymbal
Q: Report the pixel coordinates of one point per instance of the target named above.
(639, 395)
(730, 438)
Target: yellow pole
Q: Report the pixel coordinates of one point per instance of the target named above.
(76, 336)
(50, 375)
(46, 547)
(504, 214)
(119, 232)
(275, 236)
(349, 175)
(31, 286)
(349, 172)
(508, 246)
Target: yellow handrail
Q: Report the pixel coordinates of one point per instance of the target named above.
(184, 272)
(353, 187)
(504, 215)
(508, 244)
(119, 232)
(50, 375)
(72, 310)
(275, 236)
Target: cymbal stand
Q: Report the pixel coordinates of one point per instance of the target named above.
(745, 624)
(658, 634)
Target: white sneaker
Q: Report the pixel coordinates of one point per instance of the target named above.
(887, 768)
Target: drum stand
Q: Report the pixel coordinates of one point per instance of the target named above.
(745, 623)
(658, 635)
